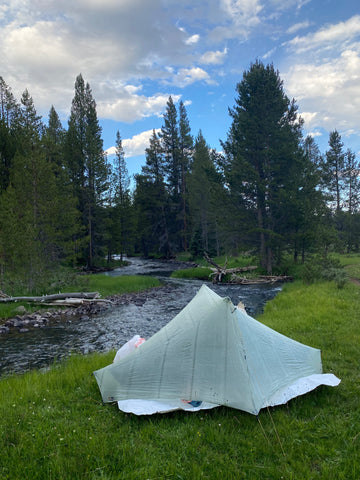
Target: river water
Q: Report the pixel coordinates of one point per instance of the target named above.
(38, 348)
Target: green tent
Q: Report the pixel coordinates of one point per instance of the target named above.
(212, 353)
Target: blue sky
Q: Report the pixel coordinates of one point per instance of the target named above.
(135, 53)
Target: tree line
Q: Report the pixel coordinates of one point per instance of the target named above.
(269, 191)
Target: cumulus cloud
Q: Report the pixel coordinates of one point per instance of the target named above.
(96, 38)
(45, 44)
(329, 92)
(187, 76)
(135, 145)
(192, 40)
(213, 57)
(128, 107)
(324, 76)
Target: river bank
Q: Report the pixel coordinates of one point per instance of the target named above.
(143, 312)
(54, 424)
(41, 318)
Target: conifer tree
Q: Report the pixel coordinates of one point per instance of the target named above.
(176, 142)
(122, 214)
(203, 184)
(185, 153)
(89, 171)
(170, 144)
(351, 220)
(68, 218)
(151, 201)
(9, 112)
(154, 167)
(334, 169)
(262, 154)
(31, 201)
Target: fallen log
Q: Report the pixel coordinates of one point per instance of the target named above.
(51, 298)
(72, 302)
(219, 271)
(261, 279)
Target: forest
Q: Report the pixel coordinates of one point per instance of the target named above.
(270, 191)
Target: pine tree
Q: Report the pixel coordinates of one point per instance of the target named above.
(151, 201)
(262, 155)
(67, 225)
(87, 166)
(122, 213)
(351, 182)
(176, 143)
(333, 169)
(154, 167)
(185, 151)
(31, 201)
(9, 107)
(170, 144)
(9, 112)
(203, 184)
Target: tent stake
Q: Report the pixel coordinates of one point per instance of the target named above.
(262, 428)
(272, 421)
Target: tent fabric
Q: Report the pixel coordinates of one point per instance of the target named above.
(214, 353)
(149, 407)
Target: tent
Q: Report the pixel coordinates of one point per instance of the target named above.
(212, 353)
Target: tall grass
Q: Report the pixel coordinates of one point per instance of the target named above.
(107, 285)
(53, 424)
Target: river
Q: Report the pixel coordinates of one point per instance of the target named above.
(39, 347)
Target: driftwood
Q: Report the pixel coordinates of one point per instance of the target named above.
(270, 279)
(219, 272)
(68, 299)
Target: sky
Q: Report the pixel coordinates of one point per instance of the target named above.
(136, 53)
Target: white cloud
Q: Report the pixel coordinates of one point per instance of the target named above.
(138, 143)
(324, 77)
(309, 118)
(236, 18)
(135, 145)
(241, 10)
(298, 26)
(315, 134)
(269, 53)
(45, 44)
(192, 40)
(187, 76)
(96, 38)
(213, 57)
(329, 92)
(327, 37)
(130, 107)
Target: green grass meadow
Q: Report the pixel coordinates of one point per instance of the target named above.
(53, 424)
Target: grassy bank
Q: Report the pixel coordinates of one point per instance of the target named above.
(54, 426)
(104, 284)
(203, 271)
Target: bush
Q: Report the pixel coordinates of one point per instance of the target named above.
(329, 269)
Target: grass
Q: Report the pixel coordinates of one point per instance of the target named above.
(54, 426)
(203, 271)
(107, 285)
(104, 284)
